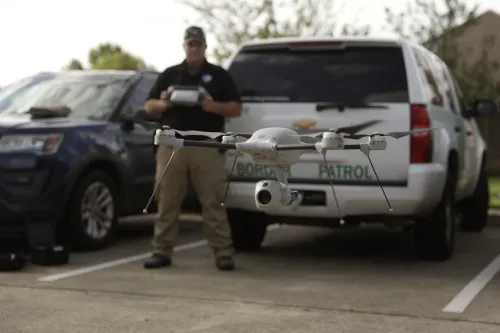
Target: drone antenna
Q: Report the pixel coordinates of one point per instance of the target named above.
(367, 153)
(229, 180)
(145, 210)
(342, 222)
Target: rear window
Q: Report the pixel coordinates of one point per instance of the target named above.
(352, 75)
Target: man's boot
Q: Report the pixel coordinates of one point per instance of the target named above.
(225, 263)
(158, 261)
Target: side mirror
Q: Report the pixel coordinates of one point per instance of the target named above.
(126, 120)
(127, 124)
(483, 108)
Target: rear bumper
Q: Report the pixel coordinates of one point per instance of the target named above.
(417, 198)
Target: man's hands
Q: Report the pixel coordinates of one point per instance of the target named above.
(208, 104)
(225, 109)
(164, 100)
(159, 105)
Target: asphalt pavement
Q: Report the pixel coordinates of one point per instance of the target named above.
(303, 280)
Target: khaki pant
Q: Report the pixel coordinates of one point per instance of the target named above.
(205, 166)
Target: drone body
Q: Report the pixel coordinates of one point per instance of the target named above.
(277, 148)
(267, 137)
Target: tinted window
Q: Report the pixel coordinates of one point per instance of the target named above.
(447, 83)
(86, 96)
(140, 93)
(425, 63)
(8, 93)
(463, 105)
(352, 75)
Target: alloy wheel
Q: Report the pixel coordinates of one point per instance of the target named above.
(97, 210)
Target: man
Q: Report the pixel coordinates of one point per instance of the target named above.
(204, 165)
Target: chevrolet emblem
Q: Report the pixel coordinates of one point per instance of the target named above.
(304, 123)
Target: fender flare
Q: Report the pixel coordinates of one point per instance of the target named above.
(103, 161)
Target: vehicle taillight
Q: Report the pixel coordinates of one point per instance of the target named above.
(421, 144)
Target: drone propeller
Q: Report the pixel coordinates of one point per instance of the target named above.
(211, 135)
(149, 126)
(345, 130)
(395, 135)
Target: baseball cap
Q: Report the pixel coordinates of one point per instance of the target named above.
(194, 33)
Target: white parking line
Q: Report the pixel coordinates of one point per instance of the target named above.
(123, 261)
(473, 288)
(113, 263)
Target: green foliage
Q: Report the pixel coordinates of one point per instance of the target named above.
(232, 22)
(74, 64)
(110, 56)
(439, 24)
(494, 185)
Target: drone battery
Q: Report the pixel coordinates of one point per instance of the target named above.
(12, 261)
(49, 255)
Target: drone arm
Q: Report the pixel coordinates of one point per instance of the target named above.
(352, 147)
(167, 138)
(296, 147)
(315, 147)
(209, 144)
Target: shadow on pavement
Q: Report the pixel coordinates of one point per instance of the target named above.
(372, 251)
(372, 243)
(140, 227)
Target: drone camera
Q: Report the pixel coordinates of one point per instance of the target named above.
(264, 197)
(271, 195)
(377, 142)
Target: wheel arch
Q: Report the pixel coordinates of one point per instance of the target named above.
(103, 164)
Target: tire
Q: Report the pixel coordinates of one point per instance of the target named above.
(248, 229)
(435, 235)
(475, 208)
(80, 237)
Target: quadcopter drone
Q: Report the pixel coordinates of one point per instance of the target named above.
(276, 148)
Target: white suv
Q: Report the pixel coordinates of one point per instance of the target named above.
(382, 85)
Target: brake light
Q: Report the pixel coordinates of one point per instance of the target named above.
(421, 144)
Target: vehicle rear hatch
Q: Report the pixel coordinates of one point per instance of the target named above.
(293, 84)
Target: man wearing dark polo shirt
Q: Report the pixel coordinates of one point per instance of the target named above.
(205, 165)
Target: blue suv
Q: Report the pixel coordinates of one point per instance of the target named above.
(67, 177)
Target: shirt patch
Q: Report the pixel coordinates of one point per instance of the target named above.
(206, 78)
